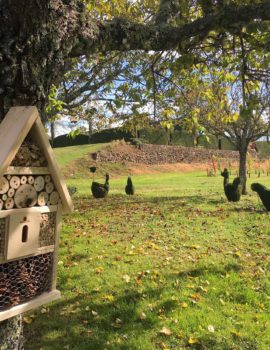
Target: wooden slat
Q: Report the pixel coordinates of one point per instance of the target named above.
(56, 247)
(30, 305)
(40, 251)
(38, 133)
(13, 130)
(45, 209)
(16, 170)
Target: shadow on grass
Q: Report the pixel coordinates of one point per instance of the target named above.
(117, 201)
(213, 270)
(79, 323)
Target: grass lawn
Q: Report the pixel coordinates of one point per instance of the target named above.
(174, 267)
(65, 155)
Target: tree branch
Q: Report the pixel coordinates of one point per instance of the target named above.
(121, 34)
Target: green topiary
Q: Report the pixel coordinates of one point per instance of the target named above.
(232, 190)
(263, 193)
(130, 189)
(101, 190)
(72, 190)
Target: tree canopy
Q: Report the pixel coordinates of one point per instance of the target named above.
(40, 38)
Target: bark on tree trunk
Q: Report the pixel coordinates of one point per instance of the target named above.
(90, 129)
(243, 167)
(11, 334)
(52, 127)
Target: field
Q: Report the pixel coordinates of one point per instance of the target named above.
(174, 267)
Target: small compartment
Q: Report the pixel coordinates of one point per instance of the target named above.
(23, 235)
(24, 279)
(47, 232)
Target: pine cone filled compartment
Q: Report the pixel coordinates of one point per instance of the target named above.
(22, 280)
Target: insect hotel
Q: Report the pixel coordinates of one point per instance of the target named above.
(33, 197)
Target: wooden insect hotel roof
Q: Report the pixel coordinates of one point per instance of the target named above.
(16, 126)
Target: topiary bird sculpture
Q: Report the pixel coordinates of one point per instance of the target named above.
(232, 190)
(263, 193)
(130, 189)
(101, 190)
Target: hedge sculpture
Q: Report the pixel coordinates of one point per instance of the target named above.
(263, 193)
(101, 190)
(130, 189)
(232, 190)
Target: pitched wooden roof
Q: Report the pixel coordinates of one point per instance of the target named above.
(17, 124)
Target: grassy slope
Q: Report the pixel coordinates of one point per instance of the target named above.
(175, 255)
(65, 155)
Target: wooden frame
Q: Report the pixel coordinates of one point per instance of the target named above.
(12, 170)
(18, 123)
(44, 298)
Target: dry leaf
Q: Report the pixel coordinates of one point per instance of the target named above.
(165, 331)
(126, 278)
(211, 328)
(142, 316)
(27, 319)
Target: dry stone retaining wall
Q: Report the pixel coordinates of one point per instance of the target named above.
(160, 154)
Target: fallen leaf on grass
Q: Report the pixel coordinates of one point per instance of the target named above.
(126, 278)
(142, 316)
(117, 323)
(236, 334)
(165, 331)
(108, 297)
(211, 328)
(184, 305)
(192, 341)
(99, 270)
(27, 319)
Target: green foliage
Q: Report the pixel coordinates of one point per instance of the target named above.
(54, 105)
(72, 190)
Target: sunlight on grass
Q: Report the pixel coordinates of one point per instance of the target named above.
(65, 155)
(174, 267)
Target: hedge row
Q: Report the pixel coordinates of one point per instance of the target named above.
(156, 136)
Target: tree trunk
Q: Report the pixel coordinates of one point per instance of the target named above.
(243, 167)
(52, 127)
(90, 129)
(11, 334)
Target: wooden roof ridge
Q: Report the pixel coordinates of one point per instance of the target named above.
(17, 124)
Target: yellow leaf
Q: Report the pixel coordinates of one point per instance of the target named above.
(184, 305)
(192, 341)
(27, 319)
(235, 333)
(237, 254)
(108, 297)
